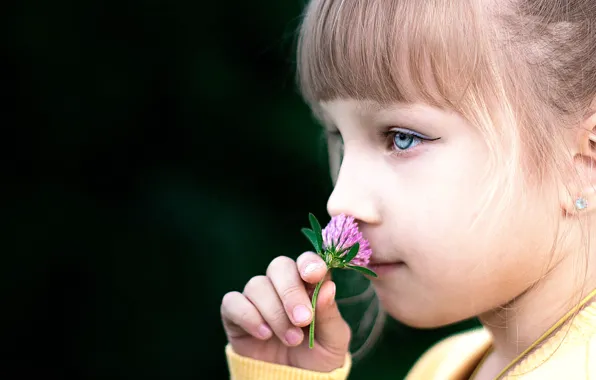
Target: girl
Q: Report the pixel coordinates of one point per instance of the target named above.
(462, 139)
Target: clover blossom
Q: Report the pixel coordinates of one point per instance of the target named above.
(341, 234)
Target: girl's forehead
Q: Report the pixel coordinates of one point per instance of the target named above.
(368, 112)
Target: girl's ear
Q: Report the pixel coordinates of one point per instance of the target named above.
(583, 198)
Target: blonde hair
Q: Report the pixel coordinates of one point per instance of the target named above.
(519, 70)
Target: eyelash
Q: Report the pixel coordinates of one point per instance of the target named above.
(389, 137)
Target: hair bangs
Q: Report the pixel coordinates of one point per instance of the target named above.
(388, 51)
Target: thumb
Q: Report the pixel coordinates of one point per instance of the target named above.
(331, 330)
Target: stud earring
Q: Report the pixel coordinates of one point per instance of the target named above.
(581, 203)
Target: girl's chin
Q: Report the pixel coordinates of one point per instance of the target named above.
(412, 314)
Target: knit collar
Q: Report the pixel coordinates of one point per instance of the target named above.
(576, 329)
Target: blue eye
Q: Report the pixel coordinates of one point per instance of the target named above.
(401, 140)
(404, 140)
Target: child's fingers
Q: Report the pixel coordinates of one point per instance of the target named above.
(290, 288)
(332, 331)
(312, 267)
(240, 317)
(310, 288)
(260, 291)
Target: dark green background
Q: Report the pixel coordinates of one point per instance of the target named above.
(155, 155)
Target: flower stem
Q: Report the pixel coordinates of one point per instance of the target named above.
(311, 335)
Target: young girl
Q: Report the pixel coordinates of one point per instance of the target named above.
(462, 139)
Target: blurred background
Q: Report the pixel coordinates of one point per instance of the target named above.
(155, 156)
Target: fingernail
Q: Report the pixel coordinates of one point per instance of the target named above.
(293, 337)
(311, 268)
(265, 331)
(301, 314)
(332, 299)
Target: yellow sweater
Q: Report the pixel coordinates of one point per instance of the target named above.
(569, 353)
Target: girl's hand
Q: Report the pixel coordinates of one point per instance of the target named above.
(269, 320)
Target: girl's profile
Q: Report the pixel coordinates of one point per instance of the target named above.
(462, 139)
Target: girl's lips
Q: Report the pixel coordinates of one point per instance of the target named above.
(379, 263)
(382, 268)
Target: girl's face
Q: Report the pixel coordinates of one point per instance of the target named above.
(416, 180)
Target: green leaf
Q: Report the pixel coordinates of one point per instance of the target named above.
(363, 270)
(352, 253)
(312, 238)
(316, 227)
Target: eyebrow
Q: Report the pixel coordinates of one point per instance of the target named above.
(373, 107)
(364, 109)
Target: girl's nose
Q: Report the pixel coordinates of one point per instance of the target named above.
(355, 196)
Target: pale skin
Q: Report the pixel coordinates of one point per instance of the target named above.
(418, 202)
